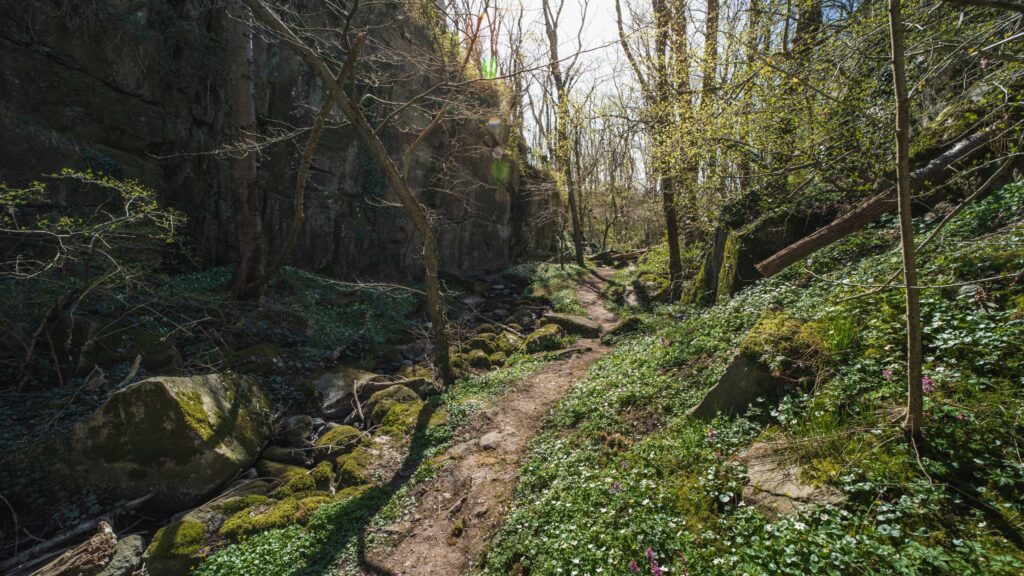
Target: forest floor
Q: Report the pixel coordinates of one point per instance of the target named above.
(459, 511)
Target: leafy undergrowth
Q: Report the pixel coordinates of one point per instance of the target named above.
(338, 535)
(623, 481)
(552, 283)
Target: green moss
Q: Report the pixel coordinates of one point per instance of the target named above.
(485, 329)
(478, 359)
(547, 337)
(322, 475)
(337, 441)
(730, 262)
(380, 403)
(260, 518)
(400, 419)
(198, 419)
(498, 359)
(788, 346)
(230, 506)
(352, 468)
(180, 539)
(484, 345)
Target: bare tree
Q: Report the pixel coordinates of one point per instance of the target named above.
(915, 411)
(563, 140)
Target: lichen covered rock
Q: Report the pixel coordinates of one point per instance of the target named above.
(547, 337)
(176, 438)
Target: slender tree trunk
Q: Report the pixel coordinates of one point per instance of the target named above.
(675, 262)
(665, 110)
(563, 148)
(912, 424)
(247, 279)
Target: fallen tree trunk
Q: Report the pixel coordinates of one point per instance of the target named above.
(935, 171)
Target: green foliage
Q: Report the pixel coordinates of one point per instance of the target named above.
(621, 469)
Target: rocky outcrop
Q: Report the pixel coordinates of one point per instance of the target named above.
(138, 90)
(178, 439)
(340, 386)
(745, 380)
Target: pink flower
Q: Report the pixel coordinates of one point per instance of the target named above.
(712, 436)
(633, 566)
(927, 385)
(961, 417)
(887, 373)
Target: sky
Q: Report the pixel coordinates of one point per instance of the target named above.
(599, 35)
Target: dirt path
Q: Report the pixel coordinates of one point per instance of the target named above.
(460, 510)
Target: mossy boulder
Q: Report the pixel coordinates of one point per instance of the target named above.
(337, 441)
(576, 325)
(548, 337)
(498, 359)
(178, 439)
(353, 468)
(792, 349)
(378, 406)
(296, 509)
(745, 381)
(485, 329)
(508, 343)
(485, 345)
(339, 386)
(176, 548)
(478, 359)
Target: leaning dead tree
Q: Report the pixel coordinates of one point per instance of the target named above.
(438, 102)
(938, 170)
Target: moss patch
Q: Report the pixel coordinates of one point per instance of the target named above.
(180, 539)
(337, 441)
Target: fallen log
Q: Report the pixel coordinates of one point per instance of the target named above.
(937, 170)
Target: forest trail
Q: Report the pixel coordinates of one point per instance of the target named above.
(459, 511)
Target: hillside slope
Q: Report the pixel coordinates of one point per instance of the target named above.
(623, 480)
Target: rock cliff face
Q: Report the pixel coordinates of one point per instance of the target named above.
(137, 89)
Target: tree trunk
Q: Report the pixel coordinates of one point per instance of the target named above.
(912, 424)
(247, 279)
(675, 263)
(563, 150)
(934, 172)
(664, 109)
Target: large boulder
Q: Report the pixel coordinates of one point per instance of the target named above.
(339, 386)
(745, 381)
(576, 325)
(178, 439)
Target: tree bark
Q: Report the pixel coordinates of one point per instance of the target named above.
(247, 279)
(935, 171)
(915, 415)
(416, 212)
(563, 149)
(664, 108)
